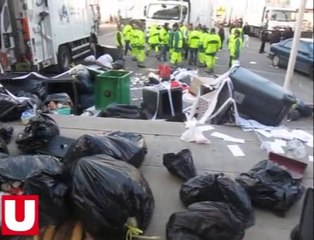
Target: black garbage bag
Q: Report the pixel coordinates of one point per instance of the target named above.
(6, 134)
(106, 193)
(118, 147)
(10, 108)
(205, 221)
(219, 188)
(180, 165)
(3, 147)
(135, 138)
(123, 111)
(37, 133)
(271, 187)
(52, 192)
(21, 167)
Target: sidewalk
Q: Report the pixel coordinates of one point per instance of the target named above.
(163, 137)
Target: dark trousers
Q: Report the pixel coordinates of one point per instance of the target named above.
(230, 61)
(186, 51)
(222, 39)
(163, 52)
(193, 56)
(127, 47)
(262, 48)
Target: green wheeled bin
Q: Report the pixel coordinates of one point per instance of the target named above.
(112, 87)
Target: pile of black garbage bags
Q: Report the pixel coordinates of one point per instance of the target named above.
(219, 208)
(97, 182)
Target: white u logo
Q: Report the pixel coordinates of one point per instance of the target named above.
(29, 216)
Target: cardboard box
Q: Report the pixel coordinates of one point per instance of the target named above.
(197, 82)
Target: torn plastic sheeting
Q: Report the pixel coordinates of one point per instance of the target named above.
(21, 167)
(194, 134)
(116, 146)
(52, 193)
(106, 193)
(218, 188)
(180, 165)
(204, 221)
(271, 187)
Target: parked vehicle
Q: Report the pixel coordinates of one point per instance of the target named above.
(38, 34)
(260, 12)
(280, 53)
(158, 12)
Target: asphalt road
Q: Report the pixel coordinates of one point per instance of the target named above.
(302, 85)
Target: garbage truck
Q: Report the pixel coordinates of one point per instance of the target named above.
(259, 12)
(35, 34)
(158, 12)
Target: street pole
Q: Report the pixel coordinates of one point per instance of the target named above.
(295, 45)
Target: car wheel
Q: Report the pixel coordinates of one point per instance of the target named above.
(64, 58)
(276, 61)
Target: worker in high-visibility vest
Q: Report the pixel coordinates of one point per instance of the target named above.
(201, 50)
(194, 37)
(240, 29)
(137, 42)
(212, 45)
(235, 48)
(163, 42)
(127, 31)
(153, 40)
(120, 42)
(176, 45)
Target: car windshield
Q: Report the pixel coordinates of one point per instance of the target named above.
(166, 11)
(283, 16)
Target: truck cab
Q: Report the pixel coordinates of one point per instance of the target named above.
(159, 12)
(279, 17)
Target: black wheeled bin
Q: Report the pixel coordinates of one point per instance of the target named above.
(259, 98)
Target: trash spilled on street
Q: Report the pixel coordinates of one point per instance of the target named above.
(92, 186)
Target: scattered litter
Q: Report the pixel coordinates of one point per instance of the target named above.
(194, 134)
(302, 135)
(206, 128)
(272, 147)
(311, 158)
(225, 137)
(296, 148)
(180, 164)
(264, 133)
(281, 133)
(236, 150)
(281, 142)
(250, 124)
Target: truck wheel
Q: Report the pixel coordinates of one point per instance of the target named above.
(276, 61)
(64, 58)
